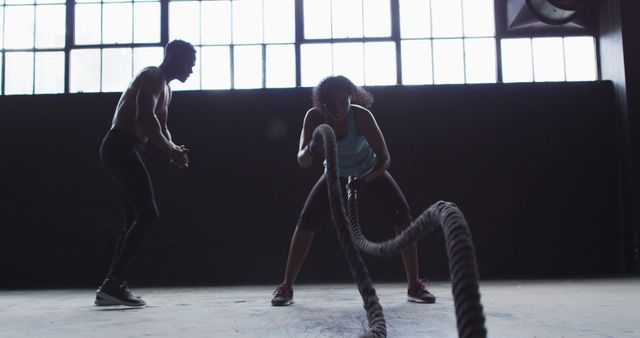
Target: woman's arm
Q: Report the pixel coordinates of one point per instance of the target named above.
(311, 121)
(367, 125)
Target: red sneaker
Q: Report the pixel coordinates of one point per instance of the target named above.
(282, 296)
(418, 293)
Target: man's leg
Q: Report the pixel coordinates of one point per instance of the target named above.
(137, 190)
(129, 220)
(134, 186)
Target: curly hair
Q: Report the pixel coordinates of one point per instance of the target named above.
(179, 48)
(329, 84)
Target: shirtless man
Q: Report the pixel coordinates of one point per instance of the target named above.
(140, 117)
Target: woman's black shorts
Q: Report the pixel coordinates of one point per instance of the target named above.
(383, 193)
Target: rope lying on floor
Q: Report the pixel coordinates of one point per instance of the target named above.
(462, 263)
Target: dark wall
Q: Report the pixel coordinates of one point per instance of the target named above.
(619, 52)
(532, 166)
(631, 27)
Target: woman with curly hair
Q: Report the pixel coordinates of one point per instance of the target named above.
(363, 153)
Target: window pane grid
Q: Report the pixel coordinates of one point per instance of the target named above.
(117, 22)
(248, 36)
(453, 41)
(32, 42)
(473, 60)
(112, 38)
(549, 59)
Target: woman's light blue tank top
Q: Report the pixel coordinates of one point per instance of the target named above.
(355, 156)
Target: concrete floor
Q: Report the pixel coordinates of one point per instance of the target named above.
(567, 308)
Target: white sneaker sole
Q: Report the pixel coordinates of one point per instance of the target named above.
(283, 304)
(418, 300)
(103, 299)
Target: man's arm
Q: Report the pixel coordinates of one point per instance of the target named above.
(163, 117)
(147, 100)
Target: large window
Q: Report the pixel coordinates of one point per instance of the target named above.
(58, 46)
(32, 38)
(113, 40)
(446, 41)
(549, 59)
(348, 37)
(241, 43)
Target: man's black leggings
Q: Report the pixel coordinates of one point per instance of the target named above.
(122, 156)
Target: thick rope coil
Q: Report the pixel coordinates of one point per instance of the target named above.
(460, 250)
(375, 316)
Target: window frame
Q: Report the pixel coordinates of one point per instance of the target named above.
(500, 33)
(33, 49)
(71, 44)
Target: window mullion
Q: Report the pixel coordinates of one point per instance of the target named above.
(232, 51)
(433, 68)
(164, 22)
(464, 45)
(4, 61)
(101, 42)
(533, 61)
(264, 65)
(199, 46)
(232, 78)
(264, 52)
(133, 28)
(497, 32)
(364, 52)
(33, 52)
(299, 31)
(69, 42)
(395, 36)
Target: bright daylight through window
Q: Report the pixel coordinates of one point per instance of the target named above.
(246, 44)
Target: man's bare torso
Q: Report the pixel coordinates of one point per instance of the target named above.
(126, 115)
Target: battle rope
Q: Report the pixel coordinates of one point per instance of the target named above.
(462, 263)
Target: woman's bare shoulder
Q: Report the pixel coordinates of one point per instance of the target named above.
(361, 113)
(314, 115)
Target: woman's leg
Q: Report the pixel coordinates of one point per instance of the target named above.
(390, 195)
(409, 258)
(298, 250)
(311, 216)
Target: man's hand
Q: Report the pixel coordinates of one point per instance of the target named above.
(179, 156)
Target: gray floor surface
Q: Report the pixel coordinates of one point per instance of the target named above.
(559, 308)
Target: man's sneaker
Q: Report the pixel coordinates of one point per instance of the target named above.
(114, 291)
(418, 293)
(282, 296)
